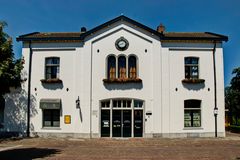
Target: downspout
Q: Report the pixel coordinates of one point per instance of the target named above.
(91, 92)
(29, 89)
(215, 88)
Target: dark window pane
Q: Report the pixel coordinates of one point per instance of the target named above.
(187, 60)
(194, 61)
(187, 71)
(51, 117)
(111, 67)
(132, 67)
(121, 67)
(192, 104)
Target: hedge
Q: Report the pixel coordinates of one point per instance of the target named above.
(233, 128)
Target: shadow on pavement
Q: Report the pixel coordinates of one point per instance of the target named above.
(27, 153)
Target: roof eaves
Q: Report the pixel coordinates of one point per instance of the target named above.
(222, 37)
(124, 18)
(20, 38)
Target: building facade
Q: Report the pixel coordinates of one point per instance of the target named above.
(121, 79)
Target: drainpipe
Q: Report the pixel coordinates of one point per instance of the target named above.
(29, 89)
(91, 92)
(215, 88)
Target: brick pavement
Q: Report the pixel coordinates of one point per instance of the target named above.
(136, 149)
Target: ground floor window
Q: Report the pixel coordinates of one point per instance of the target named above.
(51, 117)
(192, 113)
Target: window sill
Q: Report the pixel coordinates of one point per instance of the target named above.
(51, 128)
(125, 80)
(193, 81)
(54, 80)
(192, 128)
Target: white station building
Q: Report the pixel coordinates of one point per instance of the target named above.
(120, 79)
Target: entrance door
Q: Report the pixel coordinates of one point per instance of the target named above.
(127, 123)
(105, 123)
(121, 123)
(138, 123)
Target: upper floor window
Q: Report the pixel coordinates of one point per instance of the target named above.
(111, 67)
(52, 67)
(192, 113)
(122, 67)
(132, 67)
(191, 68)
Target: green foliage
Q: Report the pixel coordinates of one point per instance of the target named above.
(233, 128)
(232, 97)
(10, 68)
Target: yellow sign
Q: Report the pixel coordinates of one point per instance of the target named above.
(67, 119)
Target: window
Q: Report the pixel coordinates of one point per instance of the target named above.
(51, 118)
(121, 67)
(2, 106)
(52, 68)
(191, 68)
(111, 67)
(132, 67)
(192, 113)
(122, 103)
(105, 104)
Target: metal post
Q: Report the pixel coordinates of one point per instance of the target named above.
(215, 89)
(29, 89)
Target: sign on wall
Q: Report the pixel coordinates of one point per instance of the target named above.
(67, 119)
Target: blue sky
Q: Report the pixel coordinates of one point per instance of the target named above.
(219, 16)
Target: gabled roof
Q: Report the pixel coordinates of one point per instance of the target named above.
(79, 36)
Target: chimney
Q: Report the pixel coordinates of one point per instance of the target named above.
(161, 28)
(83, 29)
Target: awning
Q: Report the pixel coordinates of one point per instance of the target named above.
(50, 103)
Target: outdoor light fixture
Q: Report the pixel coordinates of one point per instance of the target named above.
(215, 111)
(78, 103)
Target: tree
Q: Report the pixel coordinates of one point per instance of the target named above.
(232, 96)
(10, 68)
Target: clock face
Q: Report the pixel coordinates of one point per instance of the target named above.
(121, 44)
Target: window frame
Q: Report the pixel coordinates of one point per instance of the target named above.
(52, 65)
(117, 76)
(192, 110)
(51, 118)
(190, 67)
(107, 66)
(136, 65)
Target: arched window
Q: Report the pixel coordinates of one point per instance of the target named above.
(132, 67)
(191, 68)
(111, 67)
(121, 67)
(192, 113)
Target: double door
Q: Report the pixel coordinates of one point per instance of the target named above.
(125, 123)
(122, 123)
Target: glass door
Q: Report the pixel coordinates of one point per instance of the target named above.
(138, 123)
(105, 123)
(116, 123)
(127, 123)
(121, 123)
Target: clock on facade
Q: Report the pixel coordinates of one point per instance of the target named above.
(121, 44)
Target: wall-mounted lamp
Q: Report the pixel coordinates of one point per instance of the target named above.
(78, 103)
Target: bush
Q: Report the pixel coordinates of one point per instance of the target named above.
(233, 128)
